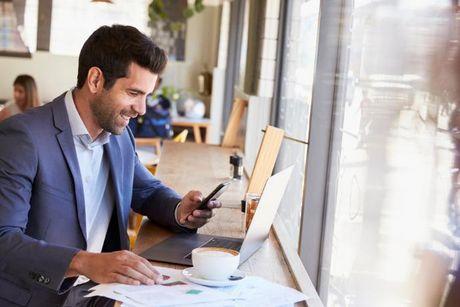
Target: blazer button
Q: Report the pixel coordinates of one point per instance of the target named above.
(41, 279)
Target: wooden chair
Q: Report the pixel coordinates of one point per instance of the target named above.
(234, 122)
(181, 137)
(149, 142)
(266, 159)
(154, 143)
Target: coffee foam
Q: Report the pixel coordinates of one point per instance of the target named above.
(216, 251)
(215, 254)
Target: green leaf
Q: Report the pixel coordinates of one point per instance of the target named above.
(176, 26)
(159, 4)
(156, 10)
(152, 14)
(170, 92)
(199, 6)
(188, 12)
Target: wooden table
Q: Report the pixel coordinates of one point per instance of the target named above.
(268, 262)
(195, 124)
(186, 166)
(191, 166)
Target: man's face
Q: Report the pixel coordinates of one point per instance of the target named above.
(19, 95)
(114, 108)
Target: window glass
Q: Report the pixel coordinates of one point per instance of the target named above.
(295, 100)
(393, 184)
(18, 26)
(29, 28)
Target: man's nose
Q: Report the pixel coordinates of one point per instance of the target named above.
(140, 107)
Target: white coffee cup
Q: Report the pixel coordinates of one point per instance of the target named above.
(215, 263)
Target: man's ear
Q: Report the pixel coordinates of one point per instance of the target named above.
(95, 80)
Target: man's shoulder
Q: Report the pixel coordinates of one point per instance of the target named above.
(38, 116)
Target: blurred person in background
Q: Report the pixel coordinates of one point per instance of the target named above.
(25, 97)
(367, 115)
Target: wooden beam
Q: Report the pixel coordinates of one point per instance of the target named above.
(234, 123)
(266, 158)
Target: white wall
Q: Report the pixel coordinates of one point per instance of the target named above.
(218, 82)
(55, 73)
(259, 107)
(201, 48)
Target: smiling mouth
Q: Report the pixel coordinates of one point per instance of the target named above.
(126, 118)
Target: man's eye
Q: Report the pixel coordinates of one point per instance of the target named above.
(134, 94)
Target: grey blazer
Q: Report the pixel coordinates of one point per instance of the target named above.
(42, 210)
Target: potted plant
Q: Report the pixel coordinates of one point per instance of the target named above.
(158, 12)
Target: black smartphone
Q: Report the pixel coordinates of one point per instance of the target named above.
(215, 194)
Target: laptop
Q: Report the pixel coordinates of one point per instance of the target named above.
(178, 248)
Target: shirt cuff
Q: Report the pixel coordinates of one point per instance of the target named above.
(177, 221)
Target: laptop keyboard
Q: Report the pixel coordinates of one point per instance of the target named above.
(217, 242)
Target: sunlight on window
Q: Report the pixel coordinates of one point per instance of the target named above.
(295, 102)
(395, 154)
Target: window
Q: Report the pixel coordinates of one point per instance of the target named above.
(392, 178)
(18, 27)
(29, 28)
(294, 105)
(74, 21)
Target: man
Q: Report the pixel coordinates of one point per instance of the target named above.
(69, 176)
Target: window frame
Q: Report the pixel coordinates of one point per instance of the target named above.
(327, 90)
(306, 264)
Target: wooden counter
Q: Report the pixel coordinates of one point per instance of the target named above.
(191, 166)
(187, 166)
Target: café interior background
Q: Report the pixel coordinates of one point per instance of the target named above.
(371, 85)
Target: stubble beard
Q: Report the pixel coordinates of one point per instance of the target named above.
(105, 117)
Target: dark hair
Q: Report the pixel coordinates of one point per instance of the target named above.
(30, 88)
(113, 49)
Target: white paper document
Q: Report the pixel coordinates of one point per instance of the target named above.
(173, 291)
(176, 291)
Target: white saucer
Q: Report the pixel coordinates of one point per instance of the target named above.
(192, 276)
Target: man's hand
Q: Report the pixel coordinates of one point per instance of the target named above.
(189, 216)
(117, 267)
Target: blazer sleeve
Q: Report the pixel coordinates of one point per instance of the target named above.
(30, 260)
(153, 199)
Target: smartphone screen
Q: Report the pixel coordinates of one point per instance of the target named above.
(215, 194)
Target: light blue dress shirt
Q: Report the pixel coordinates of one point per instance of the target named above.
(94, 170)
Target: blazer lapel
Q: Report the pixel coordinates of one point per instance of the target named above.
(113, 151)
(65, 140)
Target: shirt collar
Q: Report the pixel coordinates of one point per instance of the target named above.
(78, 128)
